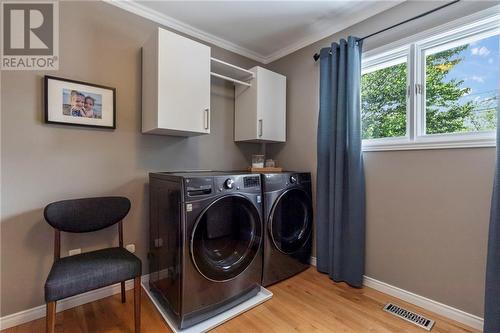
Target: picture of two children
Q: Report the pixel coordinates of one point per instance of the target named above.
(81, 104)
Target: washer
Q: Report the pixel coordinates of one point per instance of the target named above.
(288, 218)
(205, 242)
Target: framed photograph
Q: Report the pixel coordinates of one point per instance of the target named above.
(78, 103)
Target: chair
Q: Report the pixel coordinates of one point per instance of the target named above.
(88, 271)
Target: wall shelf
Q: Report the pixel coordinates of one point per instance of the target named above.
(230, 72)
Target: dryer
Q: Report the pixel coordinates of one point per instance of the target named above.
(288, 219)
(205, 242)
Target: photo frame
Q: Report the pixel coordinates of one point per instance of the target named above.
(77, 103)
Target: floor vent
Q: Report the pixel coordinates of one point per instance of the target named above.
(407, 315)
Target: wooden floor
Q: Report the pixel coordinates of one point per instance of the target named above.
(308, 302)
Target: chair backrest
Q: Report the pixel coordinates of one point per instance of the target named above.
(85, 215)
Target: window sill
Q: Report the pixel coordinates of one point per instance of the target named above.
(484, 143)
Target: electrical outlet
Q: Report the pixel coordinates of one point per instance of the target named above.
(75, 251)
(130, 247)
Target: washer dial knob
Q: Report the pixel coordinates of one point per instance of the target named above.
(293, 179)
(229, 183)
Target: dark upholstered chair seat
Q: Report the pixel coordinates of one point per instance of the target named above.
(87, 271)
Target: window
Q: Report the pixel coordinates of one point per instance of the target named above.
(461, 84)
(440, 89)
(383, 98)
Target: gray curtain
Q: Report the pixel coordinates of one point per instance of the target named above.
(492, 293)
(340, 211)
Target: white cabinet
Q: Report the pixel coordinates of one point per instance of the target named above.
(260, 110)
(175, 85)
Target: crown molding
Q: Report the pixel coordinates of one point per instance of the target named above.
(135, 7)
(330, 29)
(150, 14)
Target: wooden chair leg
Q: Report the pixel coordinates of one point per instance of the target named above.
(51, 317)
(124, 298)
(137, 304)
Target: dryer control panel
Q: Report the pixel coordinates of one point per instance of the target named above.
(278, 181)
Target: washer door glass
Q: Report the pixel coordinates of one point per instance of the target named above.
(290, 223)
(226, 238)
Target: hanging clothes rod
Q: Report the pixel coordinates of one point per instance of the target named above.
(227, 78)
(316, 55)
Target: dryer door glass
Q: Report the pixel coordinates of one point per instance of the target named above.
(290, 222)
(226, 238)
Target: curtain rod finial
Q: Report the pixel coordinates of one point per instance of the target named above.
(316, 56)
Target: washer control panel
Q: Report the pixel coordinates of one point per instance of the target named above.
(251, 181)
(229, 183)
(242, 183)
(198, 186)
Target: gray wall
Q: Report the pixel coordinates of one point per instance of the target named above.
(43, 163)
(427, 211)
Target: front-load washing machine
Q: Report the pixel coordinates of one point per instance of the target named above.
(288, 219)
(205, 242)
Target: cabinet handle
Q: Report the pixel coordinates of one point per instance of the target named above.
(261, 124)
(207, 118)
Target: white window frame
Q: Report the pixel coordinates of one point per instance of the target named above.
(477, 26)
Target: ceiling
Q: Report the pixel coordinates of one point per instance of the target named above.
(261, 30)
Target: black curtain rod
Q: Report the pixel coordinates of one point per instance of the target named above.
(316, 55)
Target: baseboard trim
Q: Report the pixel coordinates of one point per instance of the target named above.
(423, 302)
(38, 312)
(426, 303)
(313, 261)
(444, 310)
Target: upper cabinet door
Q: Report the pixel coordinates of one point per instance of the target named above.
(260, 110)
(176, 85)
(271, 105)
